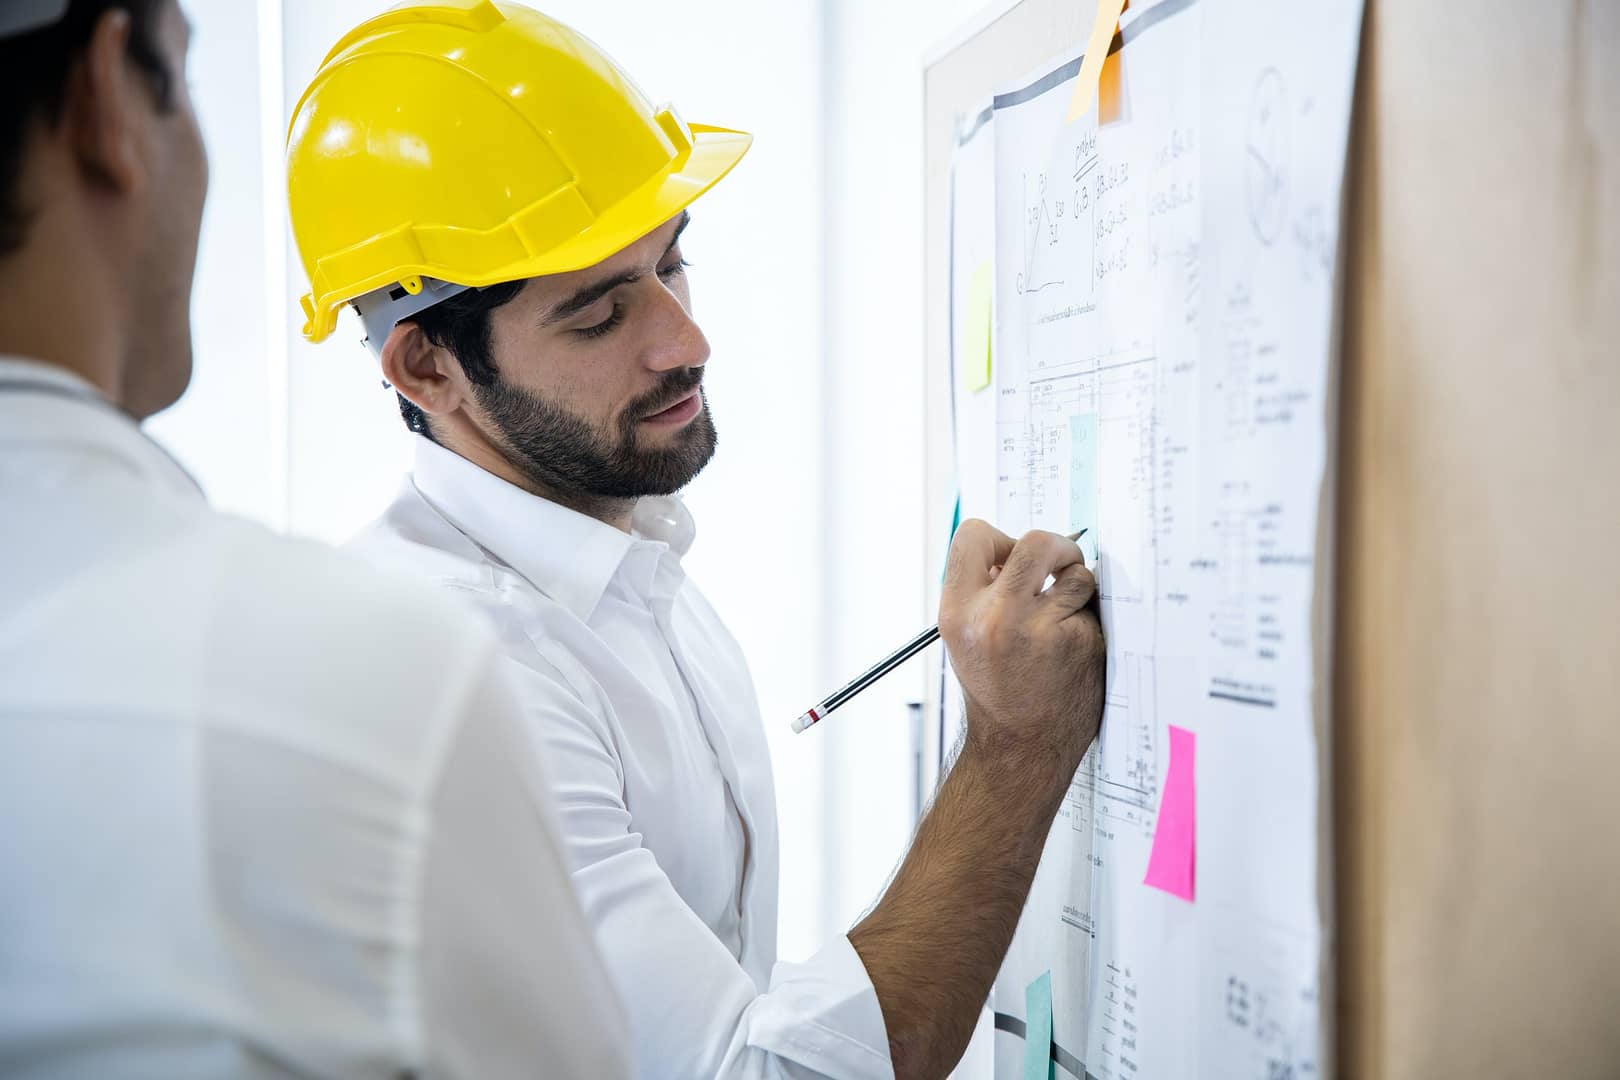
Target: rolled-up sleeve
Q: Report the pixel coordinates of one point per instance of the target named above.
(694, 1011)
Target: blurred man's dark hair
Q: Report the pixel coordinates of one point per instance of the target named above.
(34, 70)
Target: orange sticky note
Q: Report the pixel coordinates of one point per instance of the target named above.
(1173, 860)
(1110, 107)
(1102, 36)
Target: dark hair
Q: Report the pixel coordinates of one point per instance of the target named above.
(34, 71)
(461, 325)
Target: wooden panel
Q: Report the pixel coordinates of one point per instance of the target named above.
(1479, 690)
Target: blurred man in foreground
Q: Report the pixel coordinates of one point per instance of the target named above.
(267, 812)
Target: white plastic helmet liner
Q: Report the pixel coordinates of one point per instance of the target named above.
(381, 309)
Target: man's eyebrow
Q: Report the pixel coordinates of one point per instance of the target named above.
(590, 294)
(686, 219)
(587, 296)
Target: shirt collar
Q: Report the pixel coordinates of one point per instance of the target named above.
(51, 405)
(37, 373)
(569, 556)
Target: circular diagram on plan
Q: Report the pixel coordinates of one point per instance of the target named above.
(1265, 171)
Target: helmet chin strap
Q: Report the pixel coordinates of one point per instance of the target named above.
(382, 309)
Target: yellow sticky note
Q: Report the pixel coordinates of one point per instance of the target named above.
(1102, 36)
(976, 338)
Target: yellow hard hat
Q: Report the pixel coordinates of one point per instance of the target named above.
(471, 142)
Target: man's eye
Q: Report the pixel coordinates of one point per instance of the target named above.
(673, 270)
(605, 325)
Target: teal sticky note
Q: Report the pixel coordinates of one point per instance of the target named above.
(956, 523)
(1083, 482)
(1038, 1029)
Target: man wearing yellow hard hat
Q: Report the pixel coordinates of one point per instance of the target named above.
(504, 209)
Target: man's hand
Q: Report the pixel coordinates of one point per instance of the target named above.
(1030, 658)
(1031, 663)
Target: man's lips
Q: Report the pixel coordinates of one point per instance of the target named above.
(680, 412)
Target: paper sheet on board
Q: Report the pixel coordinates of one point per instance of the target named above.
(1162, 310)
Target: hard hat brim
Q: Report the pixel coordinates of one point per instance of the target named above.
(715, 152)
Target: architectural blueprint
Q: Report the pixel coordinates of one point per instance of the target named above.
(1164, 303)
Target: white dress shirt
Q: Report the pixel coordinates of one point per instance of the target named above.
(641, 703)
(267, 812)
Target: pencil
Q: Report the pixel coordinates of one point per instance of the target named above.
(875, 672)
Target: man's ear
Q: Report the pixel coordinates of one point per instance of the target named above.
(104, 92)
(427, 375)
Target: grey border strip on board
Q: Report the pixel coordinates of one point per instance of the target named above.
(1150, 18)
(965, 137)
(1067, 1061)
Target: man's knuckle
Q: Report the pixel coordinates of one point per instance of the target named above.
(997, 631)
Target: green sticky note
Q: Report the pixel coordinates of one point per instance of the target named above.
(1038, 1029)
(976, 338)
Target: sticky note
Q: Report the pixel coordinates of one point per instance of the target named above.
(1102, 36)
(976, 339)
(1083, 482)
(1110, 106)
(1171, 862)
(1038, 1029)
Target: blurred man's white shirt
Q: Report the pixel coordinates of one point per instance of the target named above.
(641, 703)
(267, 811)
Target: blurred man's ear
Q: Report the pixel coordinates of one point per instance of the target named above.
(101, 109)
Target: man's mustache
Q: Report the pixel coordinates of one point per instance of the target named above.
(675, 386)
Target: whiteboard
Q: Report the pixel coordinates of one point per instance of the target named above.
(1163, 338)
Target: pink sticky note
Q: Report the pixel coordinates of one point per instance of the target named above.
(1170, 863)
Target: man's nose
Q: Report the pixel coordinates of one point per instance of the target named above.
(677, 342)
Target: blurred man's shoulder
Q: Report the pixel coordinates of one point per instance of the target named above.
(319, 634)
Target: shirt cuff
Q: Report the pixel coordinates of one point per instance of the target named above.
(824, 1014)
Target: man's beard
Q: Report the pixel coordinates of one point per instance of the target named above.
(566, 456)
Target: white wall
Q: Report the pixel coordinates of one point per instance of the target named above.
(225, 429)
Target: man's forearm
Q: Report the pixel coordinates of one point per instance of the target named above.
(933, 944)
